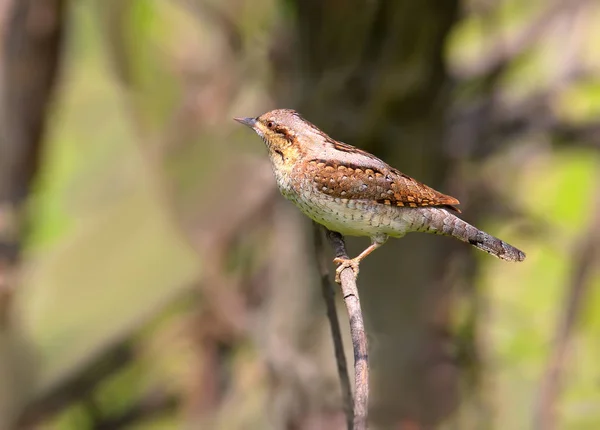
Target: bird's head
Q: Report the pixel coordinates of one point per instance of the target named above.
(280, 129)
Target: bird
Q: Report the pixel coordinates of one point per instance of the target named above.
(352, 192)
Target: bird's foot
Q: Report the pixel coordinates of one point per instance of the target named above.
(344, 263)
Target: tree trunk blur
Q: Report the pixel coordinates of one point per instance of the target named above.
(372, 73)
(29, 65)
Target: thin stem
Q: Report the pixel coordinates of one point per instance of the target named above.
(336, 332)
(357, 332)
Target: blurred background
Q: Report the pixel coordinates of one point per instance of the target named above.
(152, 277)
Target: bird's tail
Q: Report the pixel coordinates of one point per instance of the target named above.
(440, 221)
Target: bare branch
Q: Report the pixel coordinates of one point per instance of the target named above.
(583, 263)
(336, 333)
(357, 332)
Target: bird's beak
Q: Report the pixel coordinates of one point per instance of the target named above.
(250, 122)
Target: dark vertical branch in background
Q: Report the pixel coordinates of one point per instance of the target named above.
(31, 51)
(31, 55)
(30, 59)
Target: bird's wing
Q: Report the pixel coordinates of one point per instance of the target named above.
(376, 181)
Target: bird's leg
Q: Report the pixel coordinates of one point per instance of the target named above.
(353, 263)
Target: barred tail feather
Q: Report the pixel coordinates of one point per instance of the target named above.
(443, 222)
(492, 245)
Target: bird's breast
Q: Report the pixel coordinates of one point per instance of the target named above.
(350, 217)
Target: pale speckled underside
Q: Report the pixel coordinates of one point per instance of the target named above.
(354, 217)
(357, 217)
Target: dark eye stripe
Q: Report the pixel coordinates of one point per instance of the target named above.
(283, 131)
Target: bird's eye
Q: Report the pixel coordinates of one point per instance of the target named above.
(270, 124)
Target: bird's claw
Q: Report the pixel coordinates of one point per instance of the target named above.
(344, 263)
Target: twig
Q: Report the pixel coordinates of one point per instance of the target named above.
(357, 332)
(585, 256)
(334, 323)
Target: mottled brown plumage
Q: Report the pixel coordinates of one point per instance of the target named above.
(385, 186)
(353, 192)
